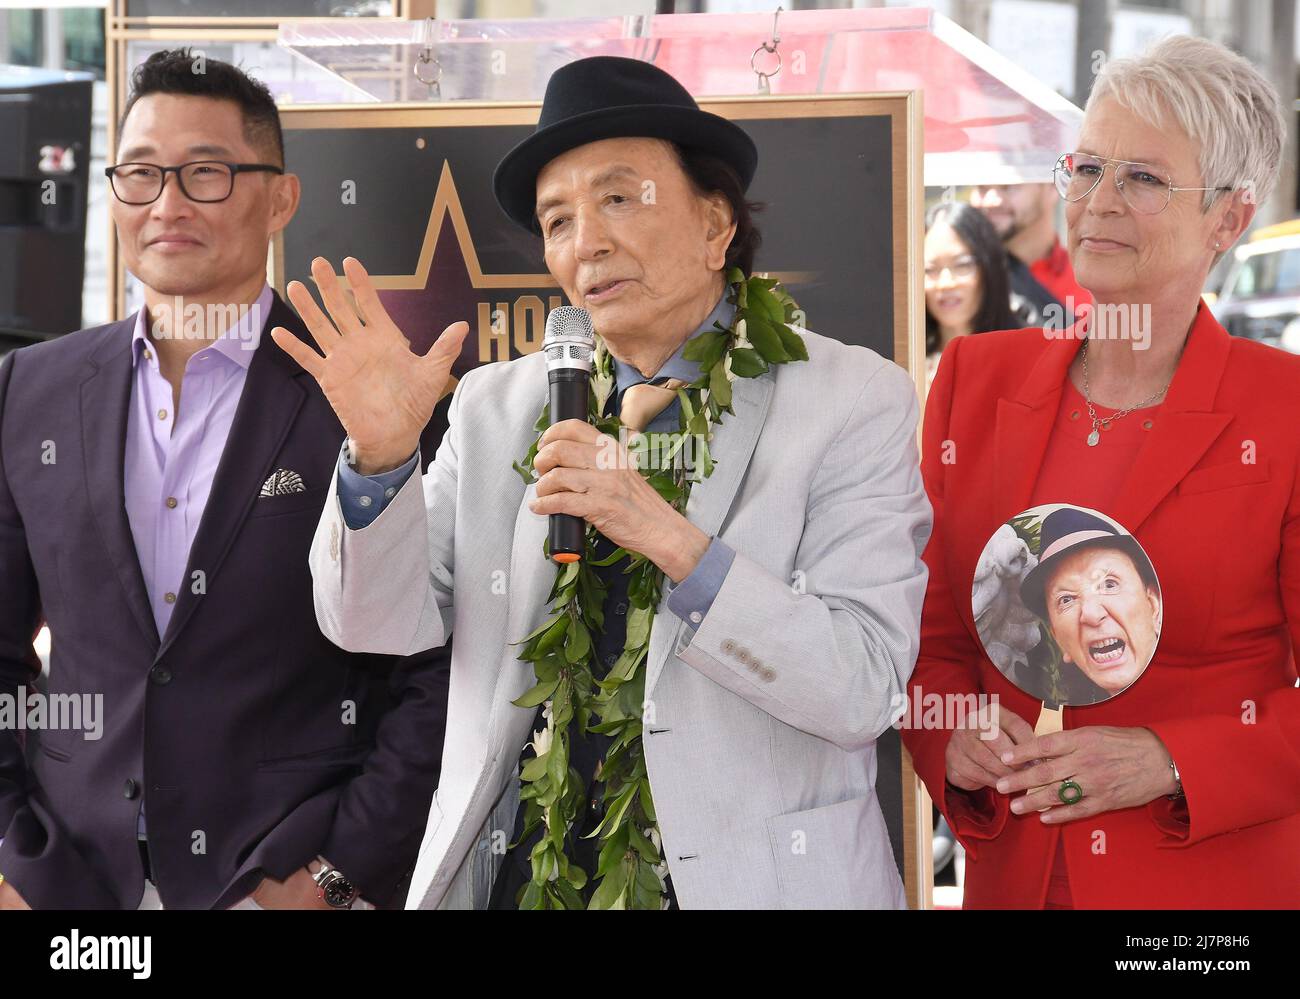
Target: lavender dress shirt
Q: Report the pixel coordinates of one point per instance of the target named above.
(171, 458)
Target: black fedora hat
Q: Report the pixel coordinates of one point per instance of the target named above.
(609, 97)
(1069, 529)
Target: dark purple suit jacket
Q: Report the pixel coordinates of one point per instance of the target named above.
(253, 743)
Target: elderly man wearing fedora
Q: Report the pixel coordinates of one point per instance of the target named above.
(710, 698)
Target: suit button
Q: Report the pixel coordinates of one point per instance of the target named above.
(160, 675)
(728, 646)
(130, 790)
(769, 675)
(742, 655)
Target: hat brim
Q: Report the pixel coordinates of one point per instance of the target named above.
(1034, 584)
(515, 179)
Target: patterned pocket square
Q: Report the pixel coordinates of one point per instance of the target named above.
(282, 482)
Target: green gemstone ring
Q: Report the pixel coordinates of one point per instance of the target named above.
(1070, 792)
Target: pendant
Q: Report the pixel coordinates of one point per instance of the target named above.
(1094, 437)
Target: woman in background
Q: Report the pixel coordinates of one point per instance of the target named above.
(966, 284)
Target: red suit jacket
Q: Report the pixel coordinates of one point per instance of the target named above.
(1214, 499)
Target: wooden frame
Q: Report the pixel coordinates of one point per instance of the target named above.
(905, 111)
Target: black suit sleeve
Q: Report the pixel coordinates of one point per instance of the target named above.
(20, 618)
(36, 856)
(382, 813)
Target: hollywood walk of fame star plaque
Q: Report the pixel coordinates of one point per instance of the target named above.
(407, 190)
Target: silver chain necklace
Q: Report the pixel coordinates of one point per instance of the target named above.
(1094, 438)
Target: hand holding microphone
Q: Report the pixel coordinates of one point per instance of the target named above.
(569, 345)
(587, 477)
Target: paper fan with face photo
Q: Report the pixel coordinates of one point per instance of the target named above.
(1066, 604)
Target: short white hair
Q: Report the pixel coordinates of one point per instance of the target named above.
(1218, 99)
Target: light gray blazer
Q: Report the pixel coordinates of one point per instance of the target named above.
(761, 723)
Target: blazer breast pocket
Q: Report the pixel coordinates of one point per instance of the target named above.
(312, 500)
(1226, 476)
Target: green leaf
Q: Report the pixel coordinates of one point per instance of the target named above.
(612, 852)
(557, 761)
(547, 667)
(533, 898)
(553, 634)
(579, 643)
(762, 301)
(543, 861)
(747, 363)
(611, 558)
(577, 878)
(535, 696)
(763, 335)
(707, 349)
(534, 769)
(638, 626)
(647, 804)
(540, 629)
(719, 385)
(647, 879)
(642, 846)
(688, 407)
(792, 342)
(525, 473)
(610, 891)
(666, 488)
(569, 892)
(617, 809)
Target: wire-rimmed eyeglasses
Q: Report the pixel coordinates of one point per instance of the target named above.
(1146, 189)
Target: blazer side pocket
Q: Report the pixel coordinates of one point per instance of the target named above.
(1226, 476)
(338, 758)
(835, 857)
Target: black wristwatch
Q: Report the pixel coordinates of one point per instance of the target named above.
(337, 891)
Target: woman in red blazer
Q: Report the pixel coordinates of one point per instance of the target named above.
(1191, 777)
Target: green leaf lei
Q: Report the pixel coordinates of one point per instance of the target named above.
(631, 866)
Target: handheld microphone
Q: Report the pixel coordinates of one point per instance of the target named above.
(569, 344)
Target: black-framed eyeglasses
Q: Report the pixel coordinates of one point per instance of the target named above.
(205, 181)
(1146, 189)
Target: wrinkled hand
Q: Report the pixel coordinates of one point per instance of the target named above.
(10, 900)
(590, 475)
(1115, 767)
(297, 891)
(382, 392)
(972, 759)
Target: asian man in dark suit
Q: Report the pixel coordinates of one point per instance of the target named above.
(160, 481)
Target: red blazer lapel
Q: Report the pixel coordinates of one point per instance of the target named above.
(1186, 427)
(1024, 424)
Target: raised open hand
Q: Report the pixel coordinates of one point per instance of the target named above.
(382, 392)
